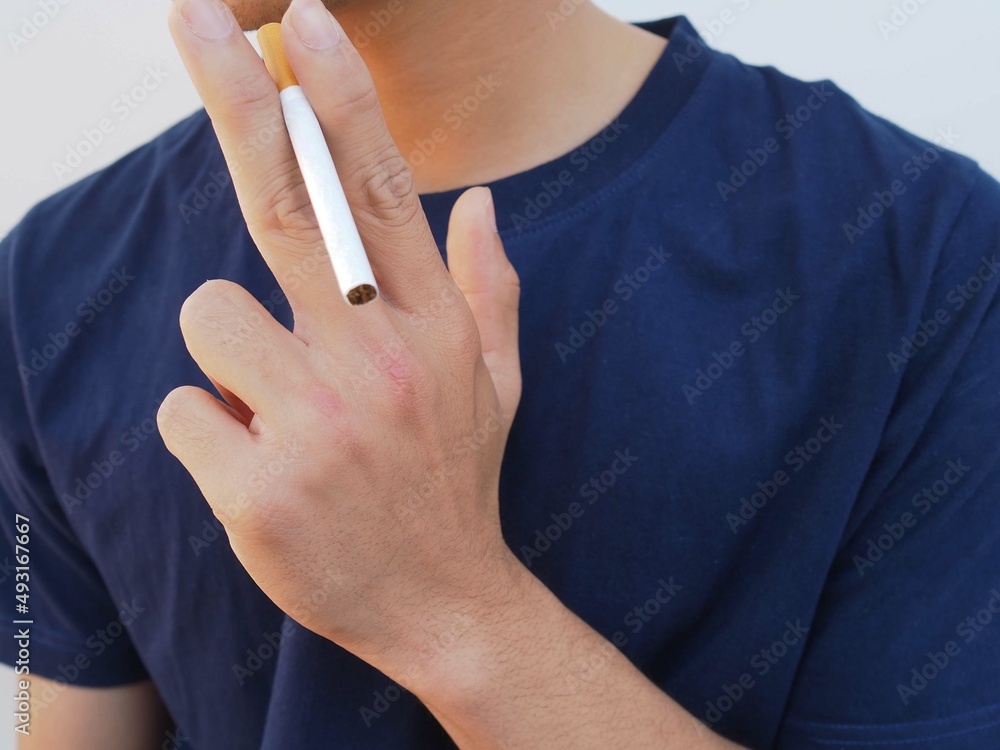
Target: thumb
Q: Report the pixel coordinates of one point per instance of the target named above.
(480, 267)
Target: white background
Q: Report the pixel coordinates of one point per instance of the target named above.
(938, 71)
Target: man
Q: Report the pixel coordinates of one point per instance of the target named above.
(750, 494)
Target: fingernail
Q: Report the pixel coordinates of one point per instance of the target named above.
(313, 24)
(209, 19)
(491, 210)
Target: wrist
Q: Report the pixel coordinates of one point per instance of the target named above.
(470, 647)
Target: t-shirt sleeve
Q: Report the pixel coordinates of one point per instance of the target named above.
(57, 619)
(905, 648)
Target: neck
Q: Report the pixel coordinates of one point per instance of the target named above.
(477, 90)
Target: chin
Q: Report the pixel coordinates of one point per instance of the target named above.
(252, 14)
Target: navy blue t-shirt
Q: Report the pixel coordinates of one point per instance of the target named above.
(757, 447)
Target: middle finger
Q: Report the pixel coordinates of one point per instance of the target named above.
(243, 103)
(376, 178)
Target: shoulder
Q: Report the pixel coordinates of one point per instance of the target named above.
(77, 225)
(129, 217)
(853, 193)
(835, 143)
(134, 237)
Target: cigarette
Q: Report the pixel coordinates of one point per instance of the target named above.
(333, 213)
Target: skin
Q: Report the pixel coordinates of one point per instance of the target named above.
(387, 423)
(79, 717)
(557, 86)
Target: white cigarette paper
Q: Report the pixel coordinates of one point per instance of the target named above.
(333, 212)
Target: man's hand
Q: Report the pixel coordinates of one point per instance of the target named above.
(356, 464)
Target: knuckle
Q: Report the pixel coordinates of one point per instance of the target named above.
(341, 435)
(224, 314)
(266, 502)
(400, 385)
(407, 386)
(441, 304)
(325, 403)
(356, 97)
(248, 93)
(207, 303)
(293, 215)
(180, 424)
(284, 209)
(252, 517)
(388, 189)
(457, 338)
(346, 439)
(510, 279)
(468, 342)
(172, 410)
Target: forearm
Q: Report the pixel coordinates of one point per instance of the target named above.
(124, 717)
(529, 673)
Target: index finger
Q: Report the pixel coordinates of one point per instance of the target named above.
(376, 178)
(245, 109)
